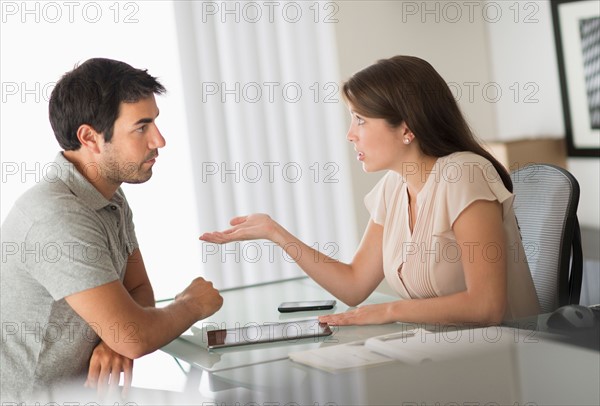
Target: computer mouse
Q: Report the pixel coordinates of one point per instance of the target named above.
(571, 317)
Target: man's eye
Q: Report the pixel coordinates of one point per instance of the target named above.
(141, 129)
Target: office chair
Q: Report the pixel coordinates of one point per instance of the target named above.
(546, 199)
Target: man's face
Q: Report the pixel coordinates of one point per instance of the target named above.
(131, 153)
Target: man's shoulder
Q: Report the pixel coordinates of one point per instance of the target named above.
(48, 200)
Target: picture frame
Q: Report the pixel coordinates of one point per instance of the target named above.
(577, 39)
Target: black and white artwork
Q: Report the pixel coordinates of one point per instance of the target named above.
(577, 37)
(590, 51)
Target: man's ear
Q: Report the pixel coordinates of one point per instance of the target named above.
(89, 138)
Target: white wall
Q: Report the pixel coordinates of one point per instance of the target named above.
(522, 56)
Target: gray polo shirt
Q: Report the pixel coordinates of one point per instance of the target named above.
(61, 237)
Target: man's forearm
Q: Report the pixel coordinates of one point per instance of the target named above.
(143, 295)
(132, 329)
(157, 327)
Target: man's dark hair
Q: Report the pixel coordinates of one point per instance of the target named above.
(92, 93)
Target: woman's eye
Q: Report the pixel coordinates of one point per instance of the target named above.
(359, 120)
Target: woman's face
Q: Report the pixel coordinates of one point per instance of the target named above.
(378, 146)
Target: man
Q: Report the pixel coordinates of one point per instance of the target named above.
(76, 302)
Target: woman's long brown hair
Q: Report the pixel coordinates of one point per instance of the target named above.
(408, 89)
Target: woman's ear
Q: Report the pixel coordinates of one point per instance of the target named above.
(406, 133)
(89, 138)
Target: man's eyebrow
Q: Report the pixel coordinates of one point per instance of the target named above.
(144, 121)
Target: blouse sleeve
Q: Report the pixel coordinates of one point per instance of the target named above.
(468, 182)
(375, 200)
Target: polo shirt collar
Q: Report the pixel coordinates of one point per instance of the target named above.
(79, 185)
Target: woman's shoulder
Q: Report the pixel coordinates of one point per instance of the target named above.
(466, 168)
(393, 182)
(392, 178)
(388, 185)
(464, 158)
(389, 180)
(383, 193)
(458, 164)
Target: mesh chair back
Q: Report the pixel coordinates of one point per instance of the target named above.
(546, 199)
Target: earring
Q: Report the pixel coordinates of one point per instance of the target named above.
(406, 141)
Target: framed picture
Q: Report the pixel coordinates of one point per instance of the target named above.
(577, 38)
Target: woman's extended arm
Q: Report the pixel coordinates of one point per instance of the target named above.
(351, 283)
(480, 234)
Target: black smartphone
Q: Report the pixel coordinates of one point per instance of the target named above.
(287, 307)
(266, 333)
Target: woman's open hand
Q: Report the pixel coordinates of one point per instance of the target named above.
(252, 227)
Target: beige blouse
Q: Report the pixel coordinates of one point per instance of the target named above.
(427, 263)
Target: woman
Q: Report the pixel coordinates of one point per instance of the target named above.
(442, 230)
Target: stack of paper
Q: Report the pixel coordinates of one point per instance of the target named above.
(337, 358)
(410, 347)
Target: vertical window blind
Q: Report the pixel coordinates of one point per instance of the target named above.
(267, 131)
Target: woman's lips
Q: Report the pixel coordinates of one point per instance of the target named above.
(360, 156)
